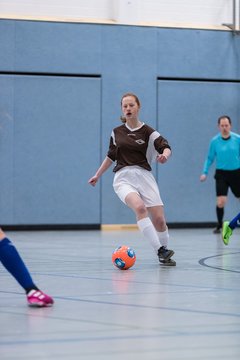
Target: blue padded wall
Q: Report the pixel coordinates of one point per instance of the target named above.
(189, 125)
(60, 91)
(50, 135)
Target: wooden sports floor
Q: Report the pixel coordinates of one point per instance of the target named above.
(187, 312)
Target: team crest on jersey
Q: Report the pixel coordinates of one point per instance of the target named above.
(140, 141)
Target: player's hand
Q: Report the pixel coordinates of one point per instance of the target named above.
(162, 158)
(93, 180)
(203, 177)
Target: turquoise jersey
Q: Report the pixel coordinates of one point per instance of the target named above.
(226, 152)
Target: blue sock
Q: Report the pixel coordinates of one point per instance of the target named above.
(13, 262)
(235, 222)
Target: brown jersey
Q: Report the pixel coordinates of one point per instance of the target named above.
(139, 146)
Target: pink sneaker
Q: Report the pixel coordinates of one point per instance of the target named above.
(38, 299)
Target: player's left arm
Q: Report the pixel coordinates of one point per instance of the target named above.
(162, 158)
(163, 149)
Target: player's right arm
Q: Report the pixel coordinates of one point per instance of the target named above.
(107, 162)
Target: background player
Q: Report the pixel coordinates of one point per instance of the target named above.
(13, 262)
(225, 148)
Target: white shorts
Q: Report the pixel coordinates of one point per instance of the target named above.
(136, 179)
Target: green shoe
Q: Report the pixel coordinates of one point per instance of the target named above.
(226, 232)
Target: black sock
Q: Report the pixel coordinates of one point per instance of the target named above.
(220, 213)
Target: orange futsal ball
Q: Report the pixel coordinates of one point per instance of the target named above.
(123, 257)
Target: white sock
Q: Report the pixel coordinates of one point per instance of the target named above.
(148, 230)
(163, 237)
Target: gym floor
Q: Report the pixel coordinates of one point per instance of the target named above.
(190, 312)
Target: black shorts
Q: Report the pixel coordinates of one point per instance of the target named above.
(226, 179)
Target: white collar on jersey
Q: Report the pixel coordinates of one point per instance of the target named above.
(139, 127)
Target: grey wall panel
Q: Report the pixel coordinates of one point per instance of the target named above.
(6, 148)
(128, 65)
(187, 116)
(198, 54)
(56, 137)
(52, 47)
(7, 45)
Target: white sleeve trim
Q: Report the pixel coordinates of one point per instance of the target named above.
(151, 151)
(113, 137)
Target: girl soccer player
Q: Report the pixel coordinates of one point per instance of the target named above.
(133, 146)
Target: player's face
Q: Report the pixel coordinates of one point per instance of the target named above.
(224, 127)
(130, 108)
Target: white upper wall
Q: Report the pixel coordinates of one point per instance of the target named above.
(63, 9)
(182, 13)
